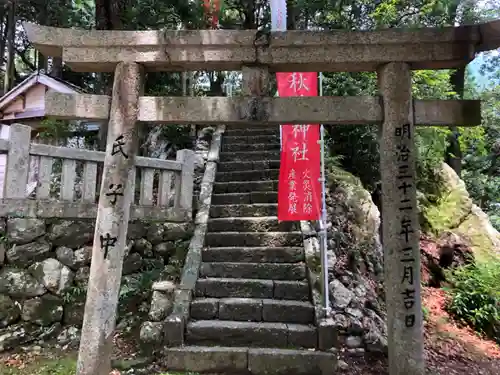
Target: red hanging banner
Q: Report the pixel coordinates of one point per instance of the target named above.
(299, 188)
(297, 84)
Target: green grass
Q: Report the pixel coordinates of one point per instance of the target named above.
(59, 366)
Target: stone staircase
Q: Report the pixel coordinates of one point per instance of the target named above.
(252, 289)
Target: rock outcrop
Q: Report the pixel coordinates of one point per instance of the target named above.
(355, 263)
(454, 211)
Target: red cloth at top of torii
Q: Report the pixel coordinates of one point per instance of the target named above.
(299, 187)
(212, 9)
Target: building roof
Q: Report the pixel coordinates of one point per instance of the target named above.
(51, 82)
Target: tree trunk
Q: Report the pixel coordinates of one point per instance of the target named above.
(59, 18)
(250, 21)
(291, 19)
(453, 151)
(56, 68)
(216, 84)
(11, 51)
(107, 17)
(453, 155)
(41, 60)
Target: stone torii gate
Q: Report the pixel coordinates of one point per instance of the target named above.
(391, 53)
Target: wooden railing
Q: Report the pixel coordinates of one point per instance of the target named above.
(165, 186)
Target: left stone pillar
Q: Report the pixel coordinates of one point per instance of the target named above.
(113, 214)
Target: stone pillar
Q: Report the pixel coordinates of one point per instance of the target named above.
(255, 84)
(255, 81)
(111, 225)
(400, 227)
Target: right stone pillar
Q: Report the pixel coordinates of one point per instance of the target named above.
(400, 227)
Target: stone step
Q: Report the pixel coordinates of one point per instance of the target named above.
(255, 334)
(249, 186)
(244, 210)
(261, 130)
(245, 198)
(254, 254)
(244, 270)
(245, 176)
(248, 165)
(251, 224)
(238, 147)
(259, 239)
(249, 155)
(253, 309)
(252, 288)
(251, 361)
(266, 138)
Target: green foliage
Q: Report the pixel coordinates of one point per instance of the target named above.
(432, 84)
(136, 288)
(362, 160)
(59, 366)
(494, 214)
(53, 129)
(178, 136)
(74, 293)
(482, 155)
(430, 145)
(431, 142)
(62, 366)
(445, 209)
(83, 13)
(425, 312)
(475, 295)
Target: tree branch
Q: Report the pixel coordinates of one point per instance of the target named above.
(25, 60)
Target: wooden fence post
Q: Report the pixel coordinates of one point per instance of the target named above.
(18, 162)
(400, 226)
(184, 186)
(113, 214)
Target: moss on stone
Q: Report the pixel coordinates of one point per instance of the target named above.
(451, 207)
(359, 201)
(313, 262)
(454, 211)
(448, 212)
(484, 242)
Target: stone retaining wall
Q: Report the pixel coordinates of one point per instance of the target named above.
(45, 264)
(355, 268)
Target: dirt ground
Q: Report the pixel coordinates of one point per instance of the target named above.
(449, 348)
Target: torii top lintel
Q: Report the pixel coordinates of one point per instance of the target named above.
(327, 51)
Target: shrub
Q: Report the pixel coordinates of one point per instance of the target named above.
(475, 296)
